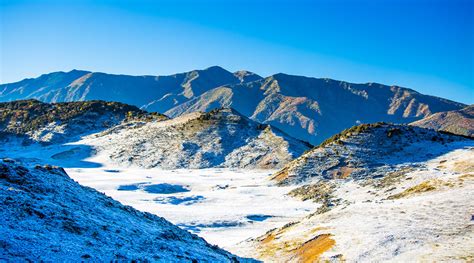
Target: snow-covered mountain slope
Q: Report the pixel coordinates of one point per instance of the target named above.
(313, 109)
(36, 121)
(386, 192)
(46, 216)
(309, 109)
(368, 151)
(220, 138)
(457, 121)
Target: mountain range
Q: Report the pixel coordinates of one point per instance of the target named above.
(310, 109)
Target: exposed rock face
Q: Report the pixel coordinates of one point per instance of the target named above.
(46, 216)
(220, 138)
(309, 109)
(367, 151)
(458, 121)
(59, 122)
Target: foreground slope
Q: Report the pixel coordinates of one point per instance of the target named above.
(386, 193)
(457, 121)
(46, 216)
(220, 138)
(59, 122)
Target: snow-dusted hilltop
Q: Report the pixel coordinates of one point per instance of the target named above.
(368, 151)
(309, 109)
(457, 121)
(59, 122)
(386, 193)
(46, 216)
(220, 138)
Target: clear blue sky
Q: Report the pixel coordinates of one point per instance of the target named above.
(426, 45)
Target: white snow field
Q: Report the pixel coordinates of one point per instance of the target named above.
(223, 206)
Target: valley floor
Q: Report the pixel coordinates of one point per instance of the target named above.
(223, 206)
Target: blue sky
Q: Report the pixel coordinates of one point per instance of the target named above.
(426, 45)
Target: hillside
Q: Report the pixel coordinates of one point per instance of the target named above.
(220, 138)
(46, 216)
(385, 193)
(368, 151)
(309, 109)
(457, 121)
(59, 122)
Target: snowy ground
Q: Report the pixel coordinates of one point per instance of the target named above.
(223, 206)
(432, 219)
(227, 207)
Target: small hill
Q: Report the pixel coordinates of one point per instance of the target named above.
(220, 138)
(46, 216)
(368, 151)
(58, 122)
(457, 121)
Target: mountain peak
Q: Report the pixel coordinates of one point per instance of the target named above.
(246, 76)
(216, 69)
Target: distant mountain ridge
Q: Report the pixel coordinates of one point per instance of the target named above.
(310, 109)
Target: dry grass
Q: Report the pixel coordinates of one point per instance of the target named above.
(281, 175)
(464, 166)
(320, 192)
(343, 172)
(312, 249)
(304, 251)
(423, 187)
(269, 238)
(466, 177)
